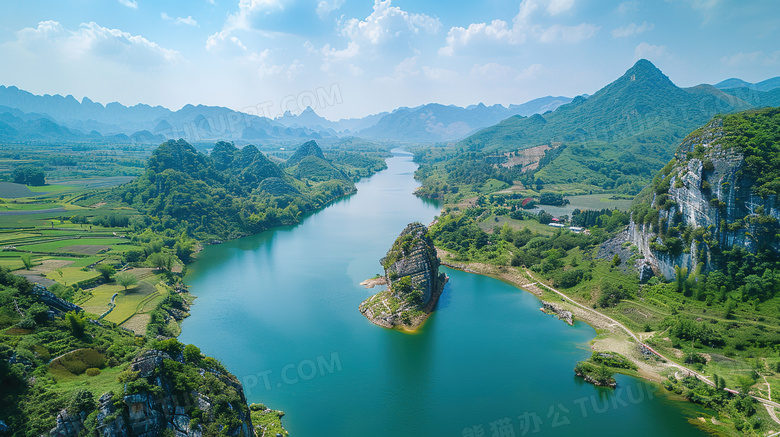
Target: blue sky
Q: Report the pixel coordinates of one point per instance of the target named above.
(363, 57)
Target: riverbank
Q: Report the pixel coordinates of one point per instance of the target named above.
(611, 335)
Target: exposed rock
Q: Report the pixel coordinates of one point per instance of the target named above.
(68, 425)
(562, 314)
(593, 381)
(56, 305)
(110, 424)
(711, 194)
(645, 272)
(148, 414)
(413, 279)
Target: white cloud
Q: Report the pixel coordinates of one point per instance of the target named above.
(532, 72)
(91, 40)
(440, 74)
(407, 68)
(223, 41)
(324, 8)
(388, 22)
(249, 10)
(742, 58)
(331, 55)
(559, 6)
(627, 7)
(189, 21)
(133, 4)
(649, 51)
(703, 4)
(632, 29)
(499, 34)
(497, 31)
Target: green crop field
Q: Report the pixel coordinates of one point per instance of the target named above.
(9, 190)
(71, 275)
(63, 245)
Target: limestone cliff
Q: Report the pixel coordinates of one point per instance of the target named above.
(714, 196)
(166, 396)
(414, 282)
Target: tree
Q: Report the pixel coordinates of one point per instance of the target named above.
(616, 260)
(192, 354)
(125, 279)
(161, 261)
(81, 400)
(730, 306)
(106, 271)
(77, 323)
(29, 174)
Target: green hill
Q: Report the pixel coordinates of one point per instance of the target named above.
(231, 193)
(614, 140)
(309, 148)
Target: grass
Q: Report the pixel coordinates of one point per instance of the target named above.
(490, 222)
(71, 275)
(101, 296)
(269, 422)
(138, 300)
(46, 189)
(62, 245)
(106, 381)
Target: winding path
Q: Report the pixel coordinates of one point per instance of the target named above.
(768, 403)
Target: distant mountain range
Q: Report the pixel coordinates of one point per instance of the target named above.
(615, 139)
(434, 122)
(28, 117)
(765, 85)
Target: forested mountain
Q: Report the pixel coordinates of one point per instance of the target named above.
(233, 191)
(613, 140)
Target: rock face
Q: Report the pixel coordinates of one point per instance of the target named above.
(150, 413)
(704, 202)
(414, 282)
(562, 314)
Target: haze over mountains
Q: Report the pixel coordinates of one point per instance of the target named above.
(615, 139)
(27, 117)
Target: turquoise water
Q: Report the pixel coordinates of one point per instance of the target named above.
(280, 309)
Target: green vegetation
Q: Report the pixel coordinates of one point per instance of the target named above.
(741, 412)
(267, 421)
(615, 140)
(123, 265)
(29, 174)
(231, 193)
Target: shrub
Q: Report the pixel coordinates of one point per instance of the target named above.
(81, 400)
(92, 371)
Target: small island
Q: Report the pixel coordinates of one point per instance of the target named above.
(414, 283)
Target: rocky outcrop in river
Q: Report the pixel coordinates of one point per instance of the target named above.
(414, 282)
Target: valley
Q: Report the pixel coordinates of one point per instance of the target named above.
(644, 216)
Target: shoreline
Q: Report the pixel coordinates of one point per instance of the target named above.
(620, 339)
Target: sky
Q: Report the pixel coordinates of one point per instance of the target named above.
(349, 58)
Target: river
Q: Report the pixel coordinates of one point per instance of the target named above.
(280, 309)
